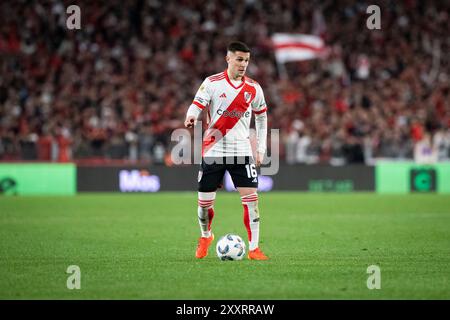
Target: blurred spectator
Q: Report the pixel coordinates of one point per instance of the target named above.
(441, 141)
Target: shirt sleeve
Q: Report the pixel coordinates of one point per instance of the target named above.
(203, 96)
(259, 103)
(259, 108)
(201, 100)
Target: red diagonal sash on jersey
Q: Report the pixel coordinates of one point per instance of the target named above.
(224, 124)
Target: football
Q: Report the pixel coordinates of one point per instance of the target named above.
(230, 247)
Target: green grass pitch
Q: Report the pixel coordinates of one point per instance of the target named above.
(142, 247)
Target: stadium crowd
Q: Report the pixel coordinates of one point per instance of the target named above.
(119, 86)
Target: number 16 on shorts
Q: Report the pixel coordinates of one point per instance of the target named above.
(251, 170)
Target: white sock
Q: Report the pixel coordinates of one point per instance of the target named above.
(205, 212)
(251, 219)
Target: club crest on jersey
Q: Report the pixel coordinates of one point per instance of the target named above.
(247, 96)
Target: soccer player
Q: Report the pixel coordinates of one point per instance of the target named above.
(230, 98)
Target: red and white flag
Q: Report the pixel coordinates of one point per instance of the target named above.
(297, 47)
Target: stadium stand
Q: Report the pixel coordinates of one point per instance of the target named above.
(118, 87)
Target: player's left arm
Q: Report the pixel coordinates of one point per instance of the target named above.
(259, 108)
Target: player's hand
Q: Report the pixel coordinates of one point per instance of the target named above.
(190, 122)
(259, 158)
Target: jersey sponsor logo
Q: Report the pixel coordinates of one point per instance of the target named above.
(233, 114)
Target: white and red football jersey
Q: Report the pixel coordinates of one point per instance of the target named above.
(230, 107)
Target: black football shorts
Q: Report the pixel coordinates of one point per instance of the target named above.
(241, 169)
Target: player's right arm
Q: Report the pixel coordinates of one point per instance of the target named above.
(201, 101)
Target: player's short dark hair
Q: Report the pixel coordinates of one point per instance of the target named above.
(238, 46)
